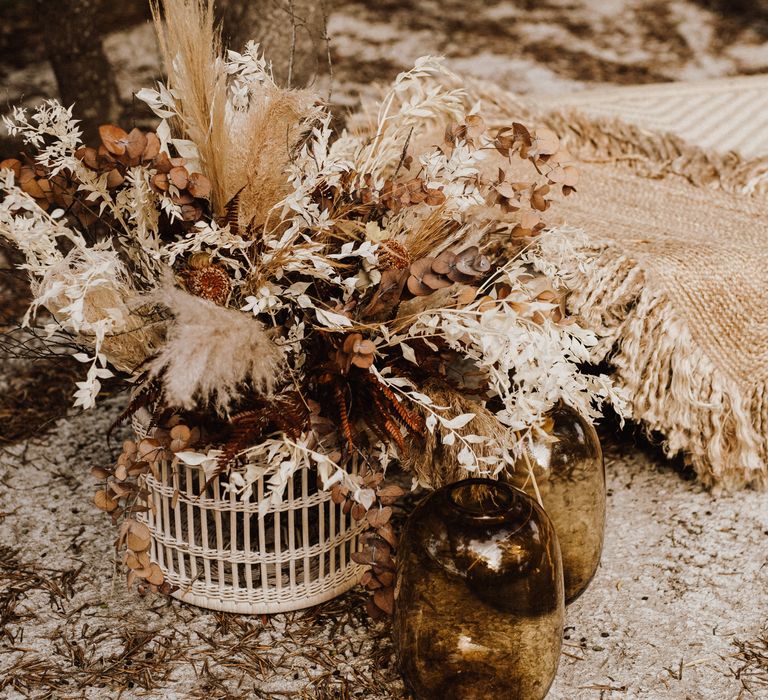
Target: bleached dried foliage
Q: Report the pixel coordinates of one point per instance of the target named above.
(440, 459)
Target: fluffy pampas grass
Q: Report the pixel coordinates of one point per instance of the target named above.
(191, 46)
(245, 151)
(212, 354)
(264, 140)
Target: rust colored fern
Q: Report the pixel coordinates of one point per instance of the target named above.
(412, 421)
(286, 413)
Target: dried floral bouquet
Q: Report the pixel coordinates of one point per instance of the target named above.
(284, 296)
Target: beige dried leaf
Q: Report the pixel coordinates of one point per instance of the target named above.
(505, 189)
(138, 536)
(199, 186)
(546, 142)
(377, 517)
(114, 139)
(384, 598)
(387, 533)
(156, 576)
(104, 501)
(390, 493)
(181, 432)
(179, 177)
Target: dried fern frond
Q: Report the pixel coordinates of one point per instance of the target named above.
(149, 395)
(287, 413)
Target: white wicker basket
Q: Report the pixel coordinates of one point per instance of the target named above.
(223, 555)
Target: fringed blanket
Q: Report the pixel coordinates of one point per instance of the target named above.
(678, 288)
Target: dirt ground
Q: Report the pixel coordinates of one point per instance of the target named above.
(679, 607)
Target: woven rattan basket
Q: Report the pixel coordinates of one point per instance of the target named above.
(223, 555)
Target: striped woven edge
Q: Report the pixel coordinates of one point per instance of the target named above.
(727, 114)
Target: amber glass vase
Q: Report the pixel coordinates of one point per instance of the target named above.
(479, 598)
(567, 463)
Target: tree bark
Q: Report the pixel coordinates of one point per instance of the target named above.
(83, 73)
(291, 34)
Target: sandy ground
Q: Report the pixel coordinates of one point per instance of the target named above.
(679, 608)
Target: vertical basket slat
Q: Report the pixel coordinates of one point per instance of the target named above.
(305, 510)
(201, 521)
(179, 533)
(291, 525)
(191, 540)
(219, 559)
(233, 544)
(247, 540)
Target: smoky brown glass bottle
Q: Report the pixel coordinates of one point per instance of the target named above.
(567, 463)
(479, 598)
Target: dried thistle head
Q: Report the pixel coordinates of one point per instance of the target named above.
(393, 255)
(207, 280)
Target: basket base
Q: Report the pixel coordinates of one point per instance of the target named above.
(187, 595)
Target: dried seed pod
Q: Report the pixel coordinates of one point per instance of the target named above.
(211, 283)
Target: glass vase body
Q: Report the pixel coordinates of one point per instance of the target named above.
(567, 461)
(479, 598)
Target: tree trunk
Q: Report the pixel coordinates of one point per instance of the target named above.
(84, 76)
(291, 34)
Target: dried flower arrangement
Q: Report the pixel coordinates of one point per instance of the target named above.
(297, 296)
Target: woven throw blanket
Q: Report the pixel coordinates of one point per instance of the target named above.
(678, 288)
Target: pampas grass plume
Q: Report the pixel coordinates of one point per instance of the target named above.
(212, 354)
